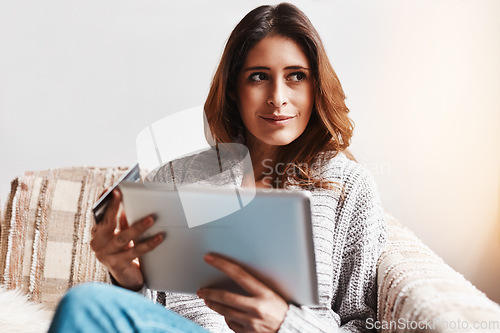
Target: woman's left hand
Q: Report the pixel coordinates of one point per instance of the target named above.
(262, 311)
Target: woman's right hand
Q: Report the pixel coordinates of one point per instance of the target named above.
(119, 250)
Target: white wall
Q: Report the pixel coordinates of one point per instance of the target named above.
(79, 80)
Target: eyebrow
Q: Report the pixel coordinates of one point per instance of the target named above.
(263, 68)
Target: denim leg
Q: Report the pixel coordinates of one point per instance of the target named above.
(98, 307)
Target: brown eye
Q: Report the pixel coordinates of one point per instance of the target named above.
(258, 77)
(297, 76)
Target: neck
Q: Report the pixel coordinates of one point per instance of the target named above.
(262, 155)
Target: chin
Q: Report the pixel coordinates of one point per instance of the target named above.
(282, 141)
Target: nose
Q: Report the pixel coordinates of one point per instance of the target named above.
(277, 94)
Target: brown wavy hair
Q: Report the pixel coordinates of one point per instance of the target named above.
(329, 129)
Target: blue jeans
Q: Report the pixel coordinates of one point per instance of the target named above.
(98, 307)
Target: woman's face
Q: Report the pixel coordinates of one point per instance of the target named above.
(275, 92)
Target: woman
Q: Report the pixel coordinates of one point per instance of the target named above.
(276, 91)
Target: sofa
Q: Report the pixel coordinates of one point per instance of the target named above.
(44, 250)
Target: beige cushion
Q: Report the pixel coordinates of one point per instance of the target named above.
(415, 286)
(45, 232)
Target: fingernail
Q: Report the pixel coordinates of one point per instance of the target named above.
(158, 238)
(148, 222)
(209, 258)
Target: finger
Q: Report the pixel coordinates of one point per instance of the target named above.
(93, 231)
(109, 220)
(141, 248)
(239, 275)
(240, 302)
(104, 191)
(229, 313)
(235, 326)
(122, 238)
(122, 259)
(123, 222)
(107, 243)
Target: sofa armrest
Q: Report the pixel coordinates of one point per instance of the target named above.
(416, 287)
(45, 231)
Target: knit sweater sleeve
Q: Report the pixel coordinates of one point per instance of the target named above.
(360, 227)
(357, 294)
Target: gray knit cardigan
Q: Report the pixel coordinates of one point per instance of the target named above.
(349, 234)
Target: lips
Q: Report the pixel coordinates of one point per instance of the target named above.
(277, 119)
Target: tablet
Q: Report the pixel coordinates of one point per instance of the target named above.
(270, 236)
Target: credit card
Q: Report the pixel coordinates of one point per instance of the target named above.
(131, 175)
